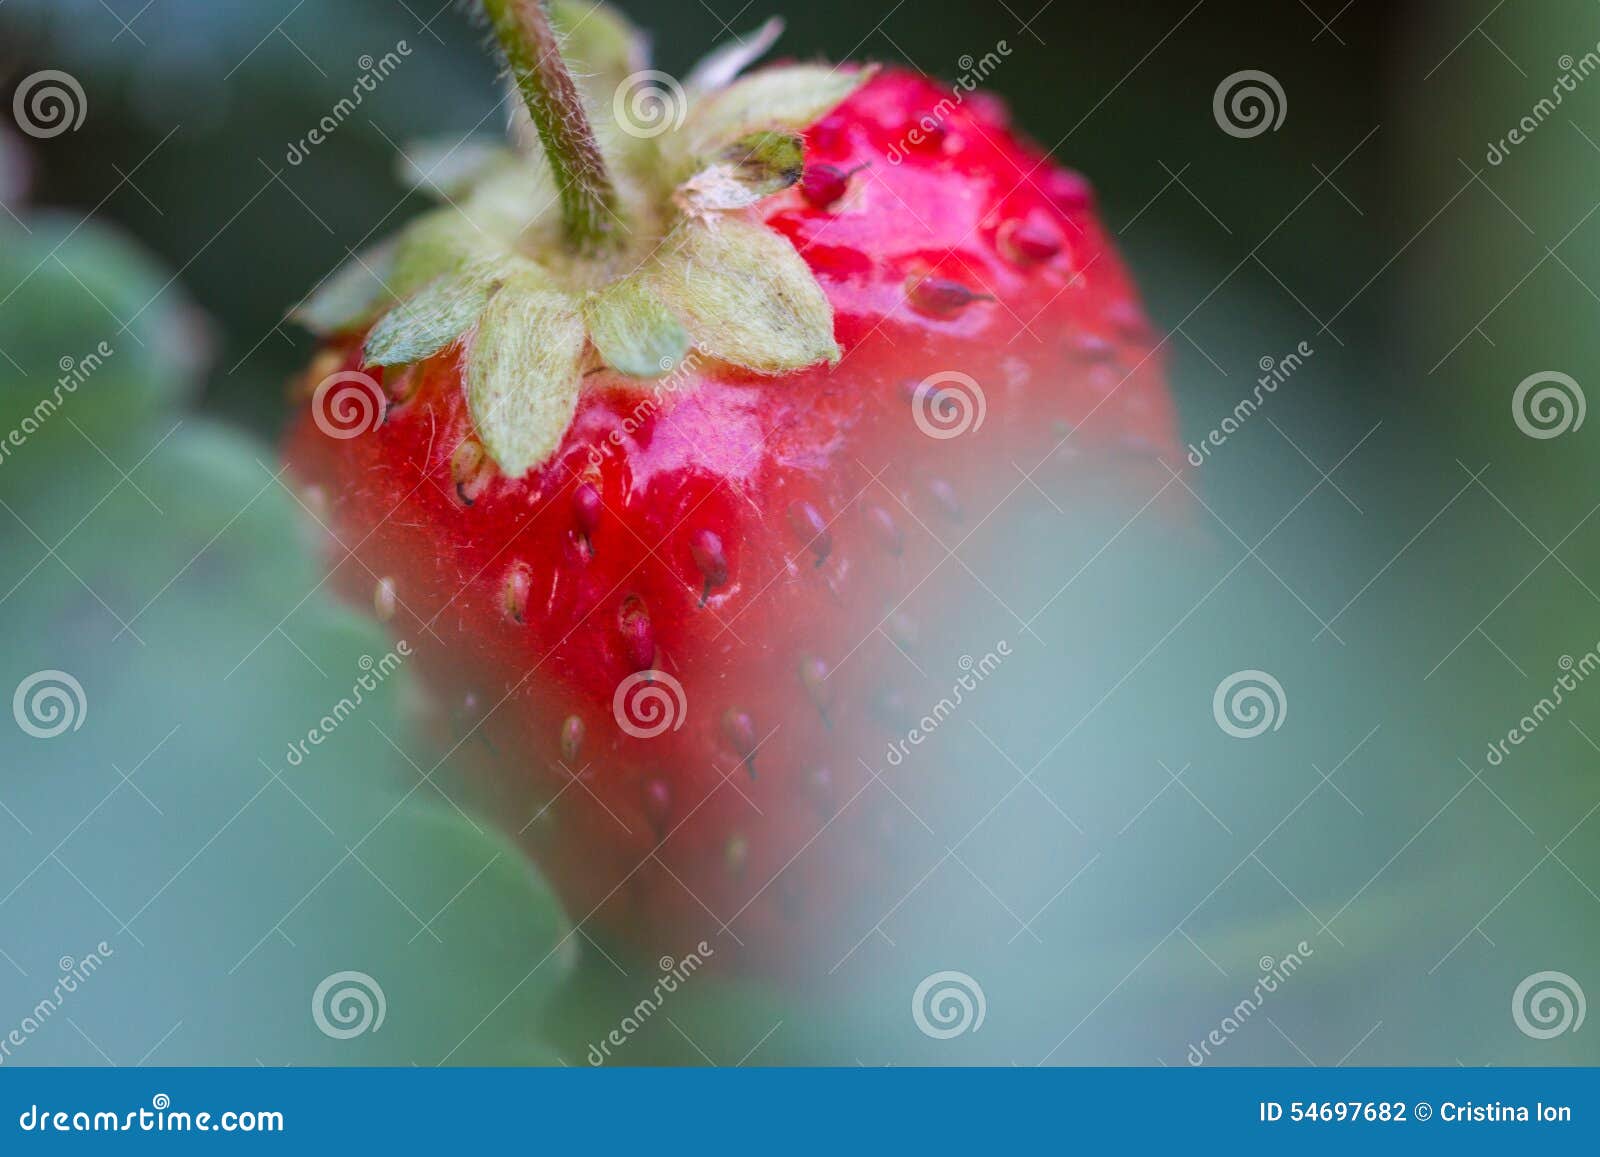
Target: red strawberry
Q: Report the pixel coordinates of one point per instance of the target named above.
(665, 616)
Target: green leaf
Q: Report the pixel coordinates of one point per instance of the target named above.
(350, 296)
(177, 592)
(523, 374)
(634, 331)
(428, 322)
(66, 356)
(479, 890)
(744, 172)
(746, 295)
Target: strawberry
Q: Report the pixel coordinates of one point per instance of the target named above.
(656, 487)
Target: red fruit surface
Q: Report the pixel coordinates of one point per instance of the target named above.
(762, 541)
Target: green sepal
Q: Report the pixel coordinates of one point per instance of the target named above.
(784, 97)
(351, 296)
(755, 166)
(747, 297)
(436, 245)
(524, 371)
(633, 330)
(429, 321)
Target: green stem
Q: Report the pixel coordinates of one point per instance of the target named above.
(588, 198)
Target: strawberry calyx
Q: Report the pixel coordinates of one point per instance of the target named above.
(680, 262)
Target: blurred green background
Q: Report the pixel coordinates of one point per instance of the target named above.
(1384, 539)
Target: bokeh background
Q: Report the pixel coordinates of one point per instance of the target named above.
(1383, 537)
